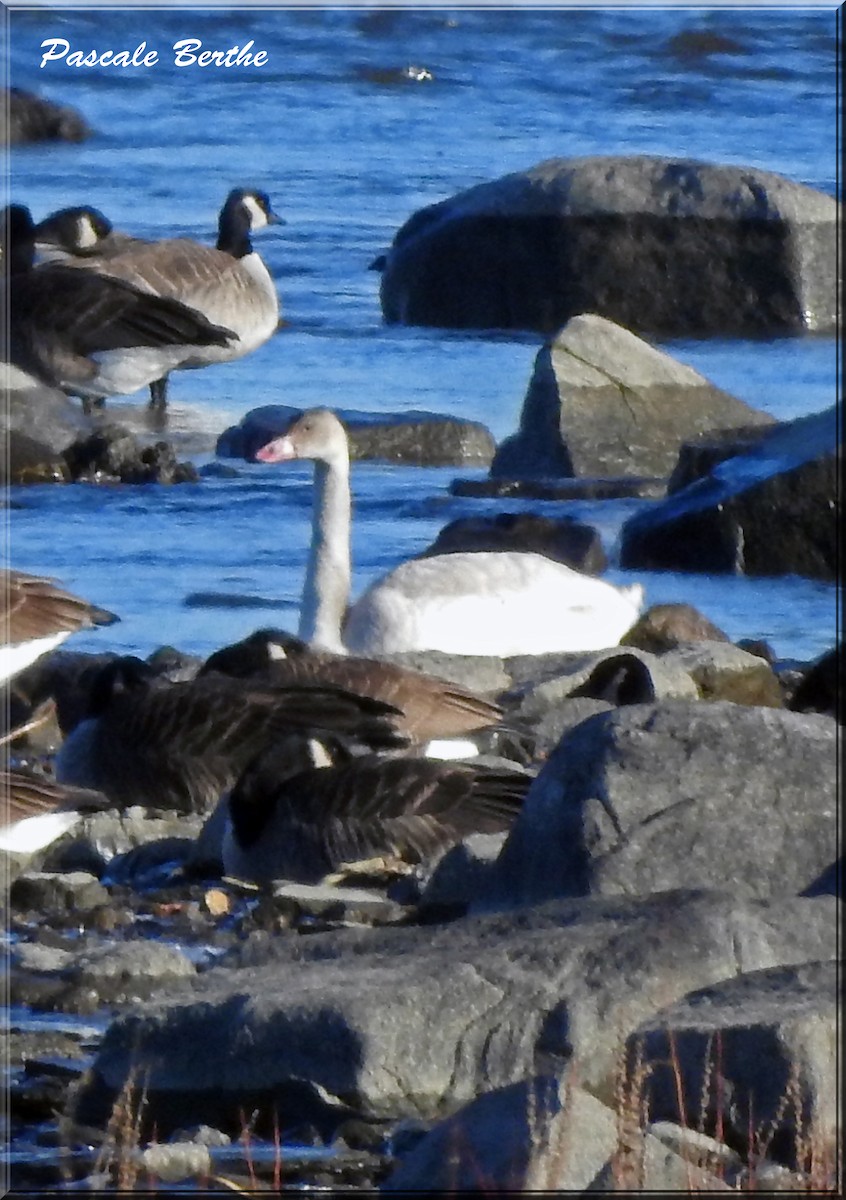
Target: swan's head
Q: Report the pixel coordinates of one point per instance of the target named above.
(318, 434)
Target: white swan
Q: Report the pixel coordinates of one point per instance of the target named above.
(491, 603)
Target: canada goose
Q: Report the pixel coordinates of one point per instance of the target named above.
(80, 232)
(430, 707)
(148, 741)
(292, 820)
(496, 603)
(229, 284)
(37, 811)
(36, 615)
(89, 334)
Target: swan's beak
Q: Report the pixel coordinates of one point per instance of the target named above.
(279, 450)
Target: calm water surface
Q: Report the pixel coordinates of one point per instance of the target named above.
(348, 148)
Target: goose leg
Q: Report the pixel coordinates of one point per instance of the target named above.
(158, 394)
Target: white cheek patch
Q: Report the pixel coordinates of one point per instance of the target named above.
(258, 217)
(275, 651)
(86, 234)
(318, 753)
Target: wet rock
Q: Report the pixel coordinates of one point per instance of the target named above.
(649, 797)
(153, 863)
(113, 454)
(173, 1162)
(26, 460)
(398, 1021)
(699, 456)
(34, 118)
(619, 488)
(778, 1058)
(602, 402)
(771, 511)
(669, 246)
(420, 438)
(105, 835)
(722, 671)
(666, 626)
(49, 892)
(37, 421)
(565, 540)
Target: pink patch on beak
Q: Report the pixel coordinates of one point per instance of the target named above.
(279, 450)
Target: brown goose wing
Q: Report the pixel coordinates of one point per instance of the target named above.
(182, 744)
(405, 808)
(30, 795)
(34, 607)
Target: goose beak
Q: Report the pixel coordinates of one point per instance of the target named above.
(281, 449)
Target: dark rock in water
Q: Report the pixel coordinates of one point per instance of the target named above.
(112, 454)
(821, 689)
(425, 439)
(35, 119)
(772, 511)
(603, 403)
(565, 540)
(640, 487)
(653, 796)
(25, 460)
(666, 626)
(668, 246)
(698, 457)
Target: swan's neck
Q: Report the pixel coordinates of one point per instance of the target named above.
(327, 584)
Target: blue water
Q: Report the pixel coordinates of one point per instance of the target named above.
(348, 148)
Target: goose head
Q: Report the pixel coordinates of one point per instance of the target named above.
(317, 434)
(72, 230)
(245, 211)
(253, 653)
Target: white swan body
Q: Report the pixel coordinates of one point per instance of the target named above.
(489, 603)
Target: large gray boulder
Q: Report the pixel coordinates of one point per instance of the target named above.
(602, 402)
(771, 511)
(661, 245)
(757, 1052)
(416, 1021)
(421, 438)
(650, 797)
(543, 1135)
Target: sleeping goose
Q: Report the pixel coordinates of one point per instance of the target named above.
(36, 615)
(147, 741)
(37, 811)
(86, 333)
(293, 820)
(80, 232)
(490, 603)
(228, 283)
(430, 708)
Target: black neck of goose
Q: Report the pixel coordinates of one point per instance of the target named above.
(233, 232)
(18, 240)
